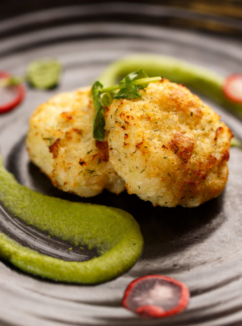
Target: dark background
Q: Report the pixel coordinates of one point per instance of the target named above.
(206, 15)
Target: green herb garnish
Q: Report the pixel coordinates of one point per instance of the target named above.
(99, 120)
(128, 88)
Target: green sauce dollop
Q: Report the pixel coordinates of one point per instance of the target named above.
(114, 233)
(44, 73)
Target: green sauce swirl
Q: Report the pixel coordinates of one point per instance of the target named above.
(114, 233)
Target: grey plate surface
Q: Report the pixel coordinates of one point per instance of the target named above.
(201, 247)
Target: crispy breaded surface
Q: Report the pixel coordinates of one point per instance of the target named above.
(60, 143)
(168, 146)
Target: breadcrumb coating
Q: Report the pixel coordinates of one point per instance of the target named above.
(168, 146)
(61, 144)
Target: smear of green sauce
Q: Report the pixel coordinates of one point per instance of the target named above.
(44, 73)
(114, 233)
(203, 80)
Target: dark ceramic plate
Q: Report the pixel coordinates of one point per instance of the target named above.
(201, 247)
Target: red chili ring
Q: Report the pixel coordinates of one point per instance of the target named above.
(155, 311)
(18, 99)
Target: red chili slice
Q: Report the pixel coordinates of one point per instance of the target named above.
(232, 88)
(18, 93)
(156, 296)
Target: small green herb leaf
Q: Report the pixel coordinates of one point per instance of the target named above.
(99, 119)
(106, 99)
(137, 75)
(128, 89)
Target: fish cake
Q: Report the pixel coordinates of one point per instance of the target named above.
(61, 144)
(169, 147)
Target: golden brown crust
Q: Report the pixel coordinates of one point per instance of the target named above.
(168, 146)
(54, 148)
(182, 146)
(60, 142)
(103, 153)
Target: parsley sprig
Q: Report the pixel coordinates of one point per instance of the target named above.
(128, 88)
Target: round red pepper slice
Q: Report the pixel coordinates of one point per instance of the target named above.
(156, 296)
(232, 88)
(17, 95)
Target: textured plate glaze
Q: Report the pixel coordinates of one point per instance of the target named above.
(201, 247)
